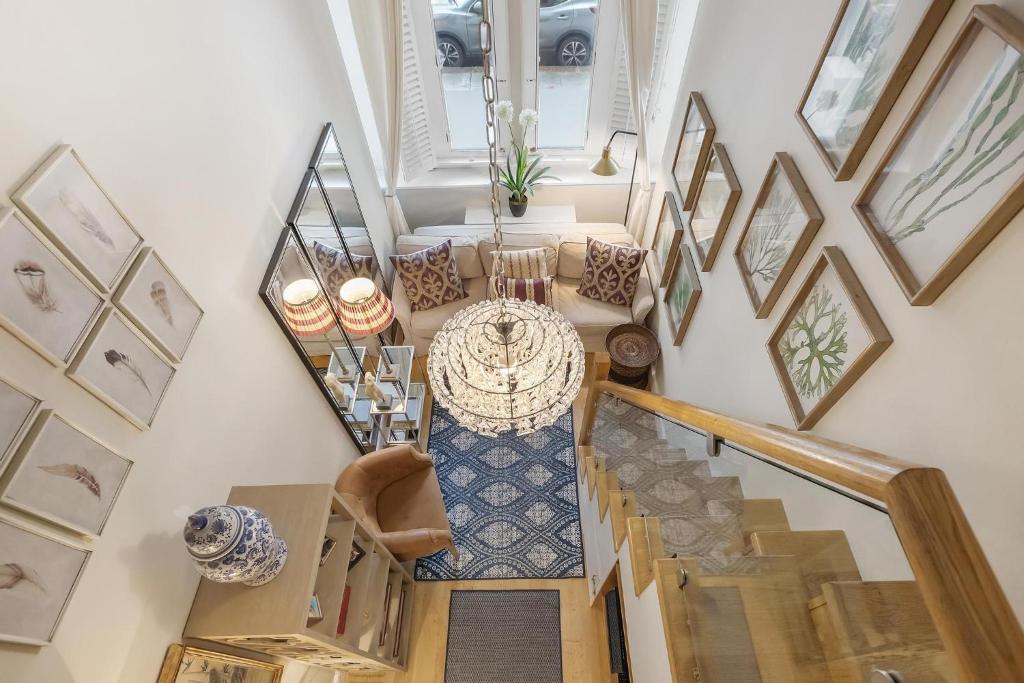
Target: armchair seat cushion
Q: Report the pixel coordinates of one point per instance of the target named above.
(411, 503)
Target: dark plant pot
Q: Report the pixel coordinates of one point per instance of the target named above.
(517, 208)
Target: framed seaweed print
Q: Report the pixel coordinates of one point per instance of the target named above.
(666, 238)
(123, 369)
(682, 294)
(826, 339)
(953, 176)
(38, 575)
(17, 410)
(65, 200)
(717, 197)
(153, 299)
(194, 665)
(870, 52)
(44, 302)
(63, 475)
(779, 229)
(694, 147)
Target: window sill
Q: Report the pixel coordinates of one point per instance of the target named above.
(475, 175)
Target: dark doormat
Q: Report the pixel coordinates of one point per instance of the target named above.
(504, 637)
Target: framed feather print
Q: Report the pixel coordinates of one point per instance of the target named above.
(44, 301)
(17, 410)
(123, 369)
(65, 200)
(63, 475)
(38, 577)
(153, 299)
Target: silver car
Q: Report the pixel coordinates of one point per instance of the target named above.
(566, 32)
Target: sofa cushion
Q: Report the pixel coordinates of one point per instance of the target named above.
(518, 242)
(336, 267)
(611, 273)
(522, 263)
(466, 258)
(430, 277)
(538, 290)
(586, 314)
(572, 251)
(426, 323)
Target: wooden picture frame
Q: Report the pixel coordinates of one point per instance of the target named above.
(704, 128)
(170, 671)
(18, 411)
(684, 268)
(875, 336)
(984, 223)
(783, 165)
(665, 244)
(898, 75)
(719, 159)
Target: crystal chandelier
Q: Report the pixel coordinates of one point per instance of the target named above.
(504, 364)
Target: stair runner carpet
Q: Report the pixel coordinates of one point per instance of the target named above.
(511, 503)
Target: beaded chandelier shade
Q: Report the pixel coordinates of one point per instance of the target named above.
(363, 308)
(306, 309)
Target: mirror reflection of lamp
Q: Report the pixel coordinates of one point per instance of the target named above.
(306, 309)
(365, 310)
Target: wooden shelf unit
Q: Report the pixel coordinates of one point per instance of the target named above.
(274, 618)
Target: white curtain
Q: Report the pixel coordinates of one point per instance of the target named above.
(639, 22)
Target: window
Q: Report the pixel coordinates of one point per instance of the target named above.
(457, 31)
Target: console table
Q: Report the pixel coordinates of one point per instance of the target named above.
(481, 215)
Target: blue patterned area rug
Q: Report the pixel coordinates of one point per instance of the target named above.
(511, 503)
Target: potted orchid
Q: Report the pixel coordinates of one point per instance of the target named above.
(520, 173)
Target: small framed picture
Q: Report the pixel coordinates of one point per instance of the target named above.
(64, 476)
(193, 665)
(682, 294)
(122, 369)
(717, 197)
(357, 554)
(315, 613)
(153, 299)
(65, 200)
(18, 409)
(326, 549)
(666, 238)
(694, 147)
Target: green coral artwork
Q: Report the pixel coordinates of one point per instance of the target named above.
(814, 346)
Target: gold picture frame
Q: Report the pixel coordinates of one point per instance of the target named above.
(699, 126)
(666, 246)
(682, 294)
(719, 159)
(176, 655)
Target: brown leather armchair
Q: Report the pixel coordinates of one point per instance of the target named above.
(396, 492)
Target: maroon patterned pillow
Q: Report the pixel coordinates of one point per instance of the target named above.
(430, 277)
(611, 272)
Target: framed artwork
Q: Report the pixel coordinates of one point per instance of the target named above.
(870, 52)
(357, 553)
(694, 147)
(682, 293)
(717, 197)
(17, 411)
(44, 302)
(194, 665)
(38, 576)
(153, 299)
(122, 369)
(65, 200)
(666, 238)
(953, 176)
(829, 335)
(64, 476)
(779, 229)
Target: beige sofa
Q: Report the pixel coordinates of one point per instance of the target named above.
(565, 245)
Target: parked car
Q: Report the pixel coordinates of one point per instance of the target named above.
(566, 32)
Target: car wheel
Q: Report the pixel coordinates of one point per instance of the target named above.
(449, 52)
(574, 51)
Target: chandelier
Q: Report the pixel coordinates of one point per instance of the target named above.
(504, 365)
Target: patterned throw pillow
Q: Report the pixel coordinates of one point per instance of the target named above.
(430, 277)
(611, 272)
(537, 290)
(336, 268)
(525, 263)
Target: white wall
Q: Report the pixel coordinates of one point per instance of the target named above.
(199, 118)
(946, 393)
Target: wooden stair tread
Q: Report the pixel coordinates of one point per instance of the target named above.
(821, 555)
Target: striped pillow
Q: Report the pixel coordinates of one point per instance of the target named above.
(537, 290)
(526, 263)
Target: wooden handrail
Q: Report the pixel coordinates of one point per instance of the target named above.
(979, 630)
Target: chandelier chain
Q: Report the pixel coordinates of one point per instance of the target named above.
(490, 91)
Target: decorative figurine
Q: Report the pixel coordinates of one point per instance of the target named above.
(232, 543)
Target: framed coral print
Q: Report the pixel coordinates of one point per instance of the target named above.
(194, 665)
(666, 238)
(17, 410)
(953, 176)
(717, 197)
(780, 227)
(44, 302)
(682, 294)
(870, 52)
(153, 299)
(38, 575)
(826, 339)
(122, 369)
(694, 147)
(63, 475)
(65, 200)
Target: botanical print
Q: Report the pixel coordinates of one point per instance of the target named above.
(665, 235)
(709, 208)
(962, 155)
(688, 155)
(16, 409)
(42, 300)
(65, 476)
(771, 237)
(192, 665)
(37, 578)
(682, 290)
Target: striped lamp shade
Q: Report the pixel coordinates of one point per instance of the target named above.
(306, 309)
(363, 308)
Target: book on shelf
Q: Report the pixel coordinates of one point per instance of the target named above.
(343, 617)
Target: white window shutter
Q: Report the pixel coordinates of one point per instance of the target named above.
(622, 109)
(666, 21)
(417, 152)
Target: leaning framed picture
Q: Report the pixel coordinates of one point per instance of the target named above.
(868, 57)
(694, 147)
(38, 576)
(67, 202)
(953, 176)
(123, 369)
(717, 197)
(18, 409)
(682, 294)
(667, 235)
(44, 301)
(65, 476)
(194, 665)
(830, 334)
(152, 298)
(780, 227)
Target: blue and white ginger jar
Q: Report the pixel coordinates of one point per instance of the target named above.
(231, 543)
